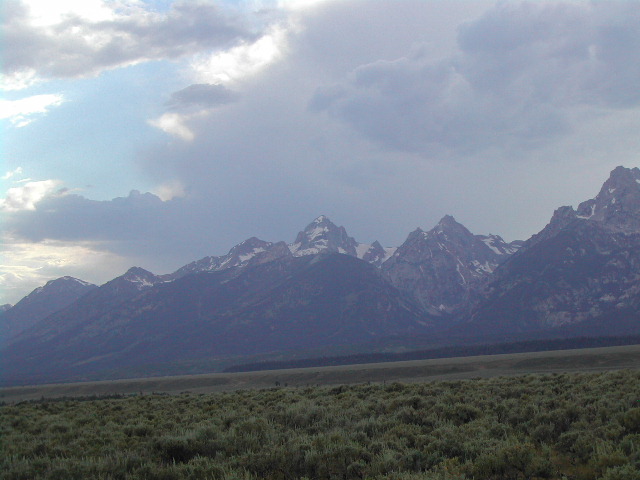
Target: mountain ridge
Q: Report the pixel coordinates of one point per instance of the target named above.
(580, 275)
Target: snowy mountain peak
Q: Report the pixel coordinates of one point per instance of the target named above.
(67, 282)
(617, 205)
(375, 253)
(441, 267)
(499, 246)
(250, 247)
(323, 236)
(140, 277)
(242, 253)
(60, 286)
(251, 251)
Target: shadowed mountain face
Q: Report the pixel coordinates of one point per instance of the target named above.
(39, 304)
(290, 303)
(580, 274)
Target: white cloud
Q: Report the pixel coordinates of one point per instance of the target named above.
(174, 124)
(12, 173)
(27, 196)
(19, 79)
(240, 61)
(21, 112)
(74, 38)
(170, 190)
(46, 13)
(300, 4)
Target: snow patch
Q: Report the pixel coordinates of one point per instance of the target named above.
(490, 242)
(250, 255)
(294, 247)
(389, 252)
(464, 281)
(307, 251)
(317, 232)
(141, 282)
(362, 249)
(482, 267)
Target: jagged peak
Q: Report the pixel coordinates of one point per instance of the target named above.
(253, 242)
(136, 274)
(68, 279)
(137, 271)
(322, 219)
(448, 220)
(448, 224)
(620, 180)
(618, 202)
(625, 175)
(321, 222)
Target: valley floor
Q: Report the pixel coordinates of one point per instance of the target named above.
(579, 360)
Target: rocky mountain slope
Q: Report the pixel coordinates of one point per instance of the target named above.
(581, 273)
(441, 268)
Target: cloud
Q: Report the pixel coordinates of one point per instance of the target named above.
(201, 96)
(139, 225)
(213, 71)
(520, 70)
(69, 41)
(243, 60)
(360, 98)
(22, 112)
(27, 265)
(12, 173)
(170, 190)
(174, 124)
(27, 196)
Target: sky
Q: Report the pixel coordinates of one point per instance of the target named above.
(154, 133)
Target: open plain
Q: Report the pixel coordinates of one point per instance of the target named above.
(579, 360)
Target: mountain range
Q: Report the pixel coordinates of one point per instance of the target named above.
(579, 276)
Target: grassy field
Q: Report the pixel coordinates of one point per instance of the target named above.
(569, 426)
(581, 360)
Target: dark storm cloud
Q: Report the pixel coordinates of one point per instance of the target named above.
(160, 235)
(519, 70)
(138, 225)
(77, 47)
(201, 96)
